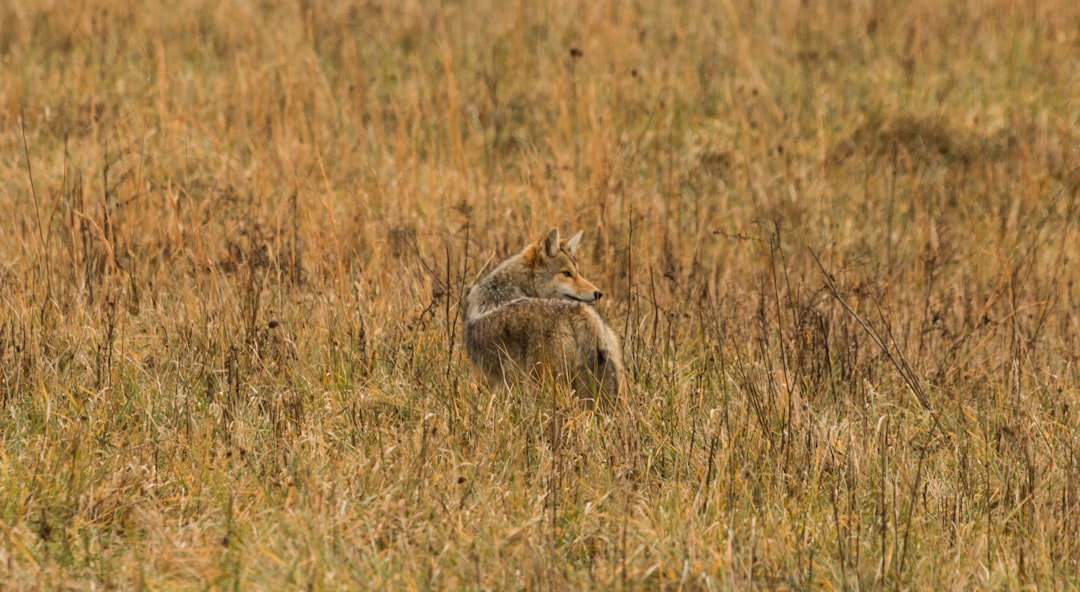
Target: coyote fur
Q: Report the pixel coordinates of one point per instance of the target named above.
(533, 316)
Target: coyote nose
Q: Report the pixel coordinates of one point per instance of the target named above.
(597, 295)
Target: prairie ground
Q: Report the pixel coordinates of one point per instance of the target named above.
(839, 239)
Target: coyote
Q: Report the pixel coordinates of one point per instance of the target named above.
(532, 315)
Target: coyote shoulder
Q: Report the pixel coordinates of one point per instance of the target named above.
(532, 315)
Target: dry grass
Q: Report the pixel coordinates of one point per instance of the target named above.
(235, 238)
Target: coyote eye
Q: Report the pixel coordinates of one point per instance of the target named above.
(568, 274)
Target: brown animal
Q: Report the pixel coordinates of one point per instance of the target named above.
(532, 316)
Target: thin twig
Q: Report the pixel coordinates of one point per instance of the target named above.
(37, 209)
(900, 363)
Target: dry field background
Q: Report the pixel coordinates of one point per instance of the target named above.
(235, 237)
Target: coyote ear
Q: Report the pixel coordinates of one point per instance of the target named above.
(551, 243)
(572, 242)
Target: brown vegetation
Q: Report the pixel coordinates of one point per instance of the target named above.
(235, 237)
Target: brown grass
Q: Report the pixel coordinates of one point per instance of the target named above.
(235, 236)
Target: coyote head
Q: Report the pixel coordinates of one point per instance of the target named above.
(555, 269)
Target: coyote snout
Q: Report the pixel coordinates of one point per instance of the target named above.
(586, 296)
(532, 314)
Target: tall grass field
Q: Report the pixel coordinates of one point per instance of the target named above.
(839, 241)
